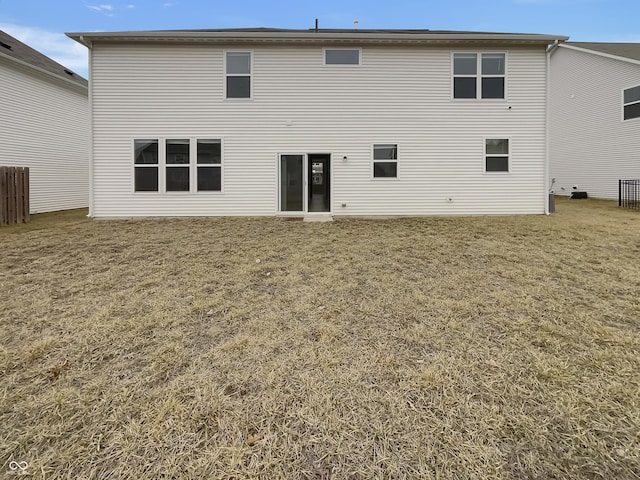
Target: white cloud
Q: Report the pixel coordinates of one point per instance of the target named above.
(131, 6)
(101, 8)
(168, 4)
(54, 45)
(106, 9)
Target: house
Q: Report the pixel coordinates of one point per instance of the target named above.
(297, 122)
(594, 117)
(45, 126)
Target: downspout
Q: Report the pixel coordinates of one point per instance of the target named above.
(90, 99)
(547, 128)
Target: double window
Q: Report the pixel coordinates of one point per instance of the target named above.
(496, 155)
(385, 160)
(631, 103)
(479, 75)
(171, 165)
(238, 74)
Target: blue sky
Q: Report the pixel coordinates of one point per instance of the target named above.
(41, 23)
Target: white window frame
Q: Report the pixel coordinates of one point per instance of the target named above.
(479, 76)
(629, 103)
(226, 75)
(145, 165)
(168, 165)
(208, 165)
(374, 161)
(504, 155)
(341, 65)
(193, 164)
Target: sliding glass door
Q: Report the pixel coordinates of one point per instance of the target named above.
(292, 183)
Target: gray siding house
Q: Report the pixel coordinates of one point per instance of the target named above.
(328, 122)
(594, 116)
(45, 126)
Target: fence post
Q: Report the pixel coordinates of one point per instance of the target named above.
(619, 193)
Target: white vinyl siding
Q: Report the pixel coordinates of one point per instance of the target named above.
(45, 126)
(300, 105)
(591, 145)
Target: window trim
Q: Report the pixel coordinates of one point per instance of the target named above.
(135, 165)
(162, 165)
(196, 165)
(508, 155)
(226, 75)
(624, 120)
(396, 161)
(479, 76)
(168, 165)
(341, 65)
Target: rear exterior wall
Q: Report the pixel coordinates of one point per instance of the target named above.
(398, 95)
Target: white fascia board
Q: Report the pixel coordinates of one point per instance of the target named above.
(87, 38)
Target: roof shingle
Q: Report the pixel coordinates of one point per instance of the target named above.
(626, 50)
(14, 48)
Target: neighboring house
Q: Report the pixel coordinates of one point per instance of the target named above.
(45, 126)
(594, 116)
(346, 122)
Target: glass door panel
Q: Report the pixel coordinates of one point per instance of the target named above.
(291, 183)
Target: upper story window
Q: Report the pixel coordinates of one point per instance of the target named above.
(478, 75)
(631, 103)
(385, 161)
(342, 56)
(238, 73)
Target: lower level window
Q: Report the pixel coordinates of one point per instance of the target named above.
(496, 155)
(178, 165)
(385, 161)
(209, 165)
(146, 165)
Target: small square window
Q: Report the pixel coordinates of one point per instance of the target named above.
(497, 155)
(385, 161)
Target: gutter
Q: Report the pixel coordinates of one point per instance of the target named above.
(356, 36)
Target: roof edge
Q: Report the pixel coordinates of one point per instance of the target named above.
(68, 81)
(601, 54)
(311, 36)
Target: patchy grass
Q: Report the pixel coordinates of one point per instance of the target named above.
(441, 348)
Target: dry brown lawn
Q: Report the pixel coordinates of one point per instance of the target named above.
(232, 348)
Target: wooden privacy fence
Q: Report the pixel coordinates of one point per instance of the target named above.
(14, 195)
